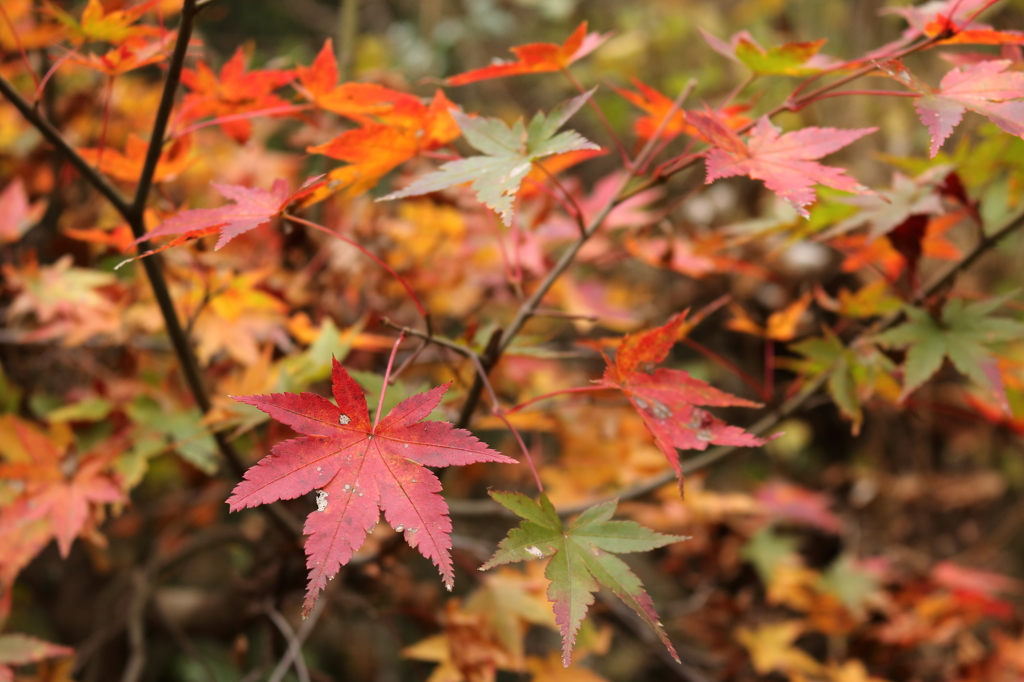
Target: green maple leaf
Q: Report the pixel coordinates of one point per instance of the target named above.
(853, 373)
(580, 560)
(963, 334)
(508, 155)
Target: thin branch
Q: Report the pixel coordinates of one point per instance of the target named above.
(53, 136)
(132, 213)
(768, 421)
(528, 308)
(294, 653)
(288, 633)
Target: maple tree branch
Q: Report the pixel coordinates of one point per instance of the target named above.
(293, 656)
(53, 136)
(529, 307)
(768, 421)
(153, 265)
(163, 112)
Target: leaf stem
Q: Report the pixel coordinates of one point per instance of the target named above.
(604, 119)
(387, 376)
(563, 391)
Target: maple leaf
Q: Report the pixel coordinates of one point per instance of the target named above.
(667, 399)
(22, 27)
(791, 59)
(19, 649)
(98, 25)
(854, 374)
(963, 334)
(780, 326)
(886, 209)
(237, 91)
(134, 53)
(253, 208)
(358, 101)
(16, 214)
(657, 106)
(985, 88)
(537, 57)
(407, 128)
(63, 500)
(947, 17)
(127, 167)
(580, 559)
(784, 161)
(508, 156)
(771, 648)
(360, 469)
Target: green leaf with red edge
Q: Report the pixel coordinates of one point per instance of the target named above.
(784, 161)
(19, 649)
(963, 333)
(508, 156)
(253, 207)
(360, 468)
(790, 59)
(537, 58)
(667, 399)
(580, 559)
(99, 25)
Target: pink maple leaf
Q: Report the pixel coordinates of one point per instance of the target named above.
(359, 469)
(784, 161)
(985, 88)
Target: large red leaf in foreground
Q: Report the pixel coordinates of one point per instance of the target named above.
(667, 399)
(784, 161)
(359, 469)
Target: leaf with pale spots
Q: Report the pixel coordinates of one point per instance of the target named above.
(358, 469)
(581, 560)
(668, 399)
(508, 156)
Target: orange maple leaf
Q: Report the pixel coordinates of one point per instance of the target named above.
(127, 167)
(372, 151)
(358, 101)
(537, 57)
(133, 53)
(657, 106)
(64, 500)
(236, 91)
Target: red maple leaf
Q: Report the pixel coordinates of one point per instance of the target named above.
(668, 399)
(985, 88)
(537, 57)
(253, 207)
(237, 91)
(784, 161)
(359, 469)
